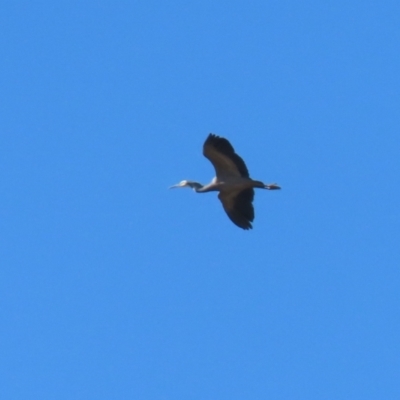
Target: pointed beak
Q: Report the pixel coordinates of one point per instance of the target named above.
(175, 186)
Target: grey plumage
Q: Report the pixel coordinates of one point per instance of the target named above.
(223, 157)
(232, 181)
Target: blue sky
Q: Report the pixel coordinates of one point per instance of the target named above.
(113, 287)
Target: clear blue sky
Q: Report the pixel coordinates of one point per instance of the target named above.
(113, 287)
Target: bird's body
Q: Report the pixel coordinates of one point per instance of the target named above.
(232, 181)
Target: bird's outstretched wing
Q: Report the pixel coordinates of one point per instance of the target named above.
(223, 157)
(239, 207)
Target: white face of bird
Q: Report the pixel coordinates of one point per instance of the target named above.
(180, 184)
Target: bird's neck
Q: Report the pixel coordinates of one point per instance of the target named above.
(196, 186)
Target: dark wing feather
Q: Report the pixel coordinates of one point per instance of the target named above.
(222, 155)
(239, 207)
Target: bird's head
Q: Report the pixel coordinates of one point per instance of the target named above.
(190, 184)
(181, 184)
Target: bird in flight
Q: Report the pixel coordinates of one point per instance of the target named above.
(232, 181)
